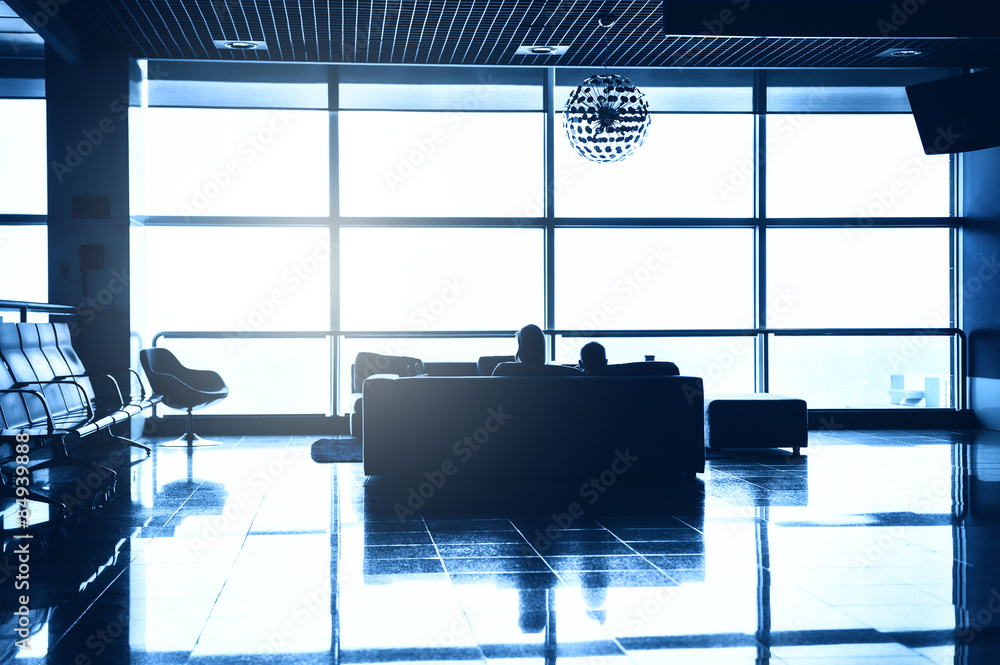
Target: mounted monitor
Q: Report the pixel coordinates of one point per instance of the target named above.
(957, 114)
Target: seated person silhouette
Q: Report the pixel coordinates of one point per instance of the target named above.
(530, 357)
(593, 360)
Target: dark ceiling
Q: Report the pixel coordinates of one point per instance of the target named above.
(461, 32)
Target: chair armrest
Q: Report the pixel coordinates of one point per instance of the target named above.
(41, 398)
(86, 397)
(103, 375)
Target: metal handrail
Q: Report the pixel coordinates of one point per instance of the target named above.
(23, 307)
(961, 401)
(321, 334)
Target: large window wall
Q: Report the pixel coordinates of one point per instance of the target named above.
(778, 231)
(23, 184)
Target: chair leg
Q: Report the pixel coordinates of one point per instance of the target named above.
(190, 439)
(74, 462)
(129, 442)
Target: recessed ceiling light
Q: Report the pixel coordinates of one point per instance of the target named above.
(541, 49)
(900, 53)
(239, 44)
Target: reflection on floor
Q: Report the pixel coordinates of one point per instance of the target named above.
(874, 547)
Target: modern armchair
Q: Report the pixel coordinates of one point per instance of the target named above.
(182, 388)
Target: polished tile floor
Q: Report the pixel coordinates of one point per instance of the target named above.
(874, 547)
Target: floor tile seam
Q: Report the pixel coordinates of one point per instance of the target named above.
(454, 591)
(535, 550)
(644, 558)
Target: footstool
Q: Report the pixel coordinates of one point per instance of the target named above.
(755, 420)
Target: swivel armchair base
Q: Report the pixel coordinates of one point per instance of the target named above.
(190, 439)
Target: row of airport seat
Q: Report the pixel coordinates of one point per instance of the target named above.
(51, 401)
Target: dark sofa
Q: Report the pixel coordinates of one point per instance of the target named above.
(522, 427)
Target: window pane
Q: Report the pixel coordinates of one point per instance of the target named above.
(852, 166)
(406, 88)
(725, 364)
(467, 97)
(243, 162)
(24, 263)
(837, 99)
(674, 89)
(630, 279)
(863, 372)
(857, 277)
(23, 174)
(398, 164)
(265, 376)
(691, 165)
(233, 279)
(440, 279)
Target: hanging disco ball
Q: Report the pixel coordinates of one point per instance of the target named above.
(606, 118)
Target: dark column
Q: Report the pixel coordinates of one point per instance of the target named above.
(981, 282)
(88, 191)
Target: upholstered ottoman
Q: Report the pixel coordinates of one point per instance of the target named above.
(755, 420)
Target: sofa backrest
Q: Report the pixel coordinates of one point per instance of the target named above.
(532, 369)
(657, 368)
(467, 368)
(532, 426)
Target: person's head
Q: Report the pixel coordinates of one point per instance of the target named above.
(530, 345)
(592, 358)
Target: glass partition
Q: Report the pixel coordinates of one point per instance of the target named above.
(630, 279)
(235, 162)
(691, 165)
(861, 166)
(440, 164)
(864, 372)
(23, 157)
(439, 279)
